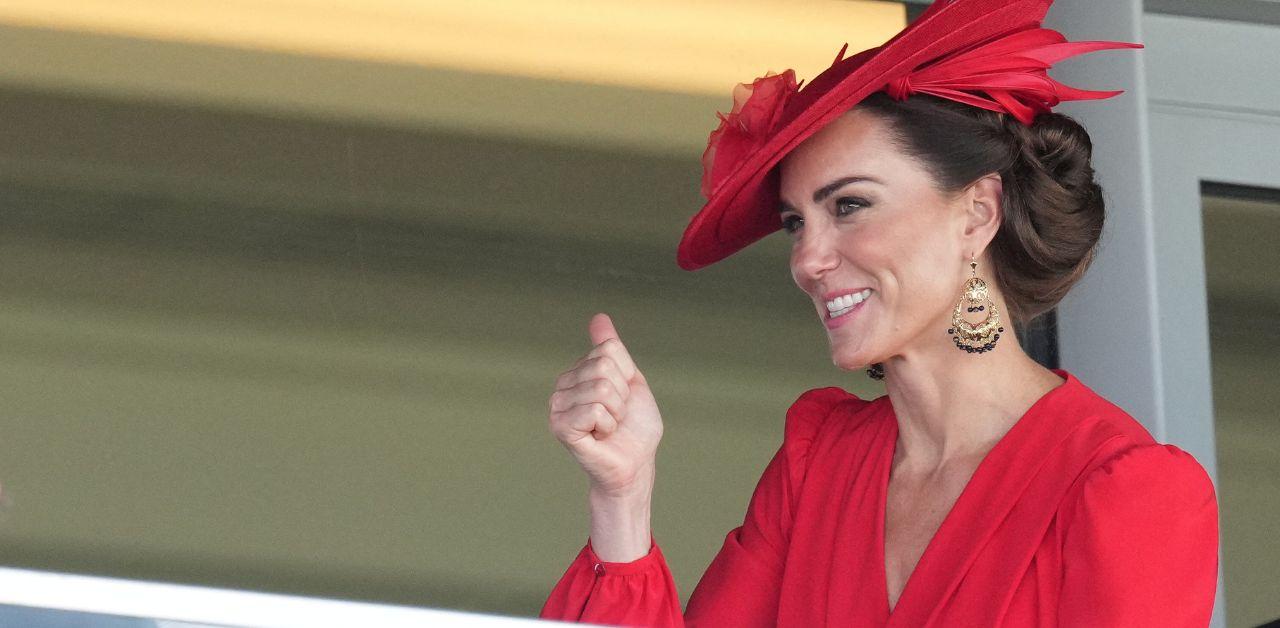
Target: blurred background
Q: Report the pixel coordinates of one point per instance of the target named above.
(286, 285)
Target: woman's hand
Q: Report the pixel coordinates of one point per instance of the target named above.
(603, 411)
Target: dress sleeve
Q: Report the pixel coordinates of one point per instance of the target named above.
(1141, 548)
(637, 593)
(741, 586)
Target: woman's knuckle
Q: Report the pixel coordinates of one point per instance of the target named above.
(611, 366)
(608, 364)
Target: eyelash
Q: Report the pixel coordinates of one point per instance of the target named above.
(789, 223)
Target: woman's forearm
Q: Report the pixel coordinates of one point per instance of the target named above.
(620, 525)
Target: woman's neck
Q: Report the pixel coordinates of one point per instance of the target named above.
(951, 405)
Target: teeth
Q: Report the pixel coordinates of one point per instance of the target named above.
(842, 304)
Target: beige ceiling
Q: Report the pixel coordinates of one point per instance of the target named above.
(671, 45)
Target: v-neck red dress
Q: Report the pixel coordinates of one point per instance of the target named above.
(1076, 517)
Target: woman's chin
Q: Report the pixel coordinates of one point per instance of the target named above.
(850, 360)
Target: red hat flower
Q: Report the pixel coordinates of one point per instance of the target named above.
(757, 108)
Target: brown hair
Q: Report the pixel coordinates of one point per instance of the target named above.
(1053, 208)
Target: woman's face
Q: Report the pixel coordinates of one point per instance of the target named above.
(865, 220)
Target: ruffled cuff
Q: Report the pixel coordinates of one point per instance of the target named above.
(653, 560)
(635, 593)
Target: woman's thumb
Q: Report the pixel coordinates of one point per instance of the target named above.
(601, 329)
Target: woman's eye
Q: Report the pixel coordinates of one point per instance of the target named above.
(791, 223)
(847, 205)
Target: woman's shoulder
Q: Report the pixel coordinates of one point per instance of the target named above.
(1087, 410)
(810, 421)
(1145, 494)
(1129, 473)
(817, 408)
(1137, 529)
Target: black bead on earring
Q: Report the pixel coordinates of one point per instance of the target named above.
(876, 371)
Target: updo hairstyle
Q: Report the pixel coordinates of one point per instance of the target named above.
(1053, 208)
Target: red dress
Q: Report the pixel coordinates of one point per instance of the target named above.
(1076, 517)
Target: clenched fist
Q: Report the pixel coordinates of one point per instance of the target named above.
(603, 412)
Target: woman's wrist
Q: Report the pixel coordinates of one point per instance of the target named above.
(620, 523)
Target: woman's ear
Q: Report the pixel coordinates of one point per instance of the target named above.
(984, 211)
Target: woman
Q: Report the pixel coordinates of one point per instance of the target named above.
(929, 193)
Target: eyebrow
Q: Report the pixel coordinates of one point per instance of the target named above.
(823, 192)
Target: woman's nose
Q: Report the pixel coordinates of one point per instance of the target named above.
(814, 254)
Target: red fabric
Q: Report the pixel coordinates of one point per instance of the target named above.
(1077, 517)
(756, 109)
(1007, 75)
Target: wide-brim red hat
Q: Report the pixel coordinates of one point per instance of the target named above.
(773, 116)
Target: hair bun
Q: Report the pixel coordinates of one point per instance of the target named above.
(1060, 146)
(1053, 210)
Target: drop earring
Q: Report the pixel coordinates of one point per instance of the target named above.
(876, 371)
(979, 337)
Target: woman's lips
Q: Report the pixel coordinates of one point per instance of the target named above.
(833, 323)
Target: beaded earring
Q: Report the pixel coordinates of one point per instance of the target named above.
(979, 337)
(876, 371)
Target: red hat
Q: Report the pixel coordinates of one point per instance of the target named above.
(987, 53)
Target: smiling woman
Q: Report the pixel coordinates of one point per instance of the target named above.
(927, 153)
(927, 187)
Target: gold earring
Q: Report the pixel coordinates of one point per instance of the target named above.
(979, 337)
